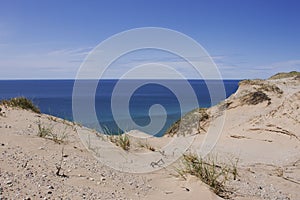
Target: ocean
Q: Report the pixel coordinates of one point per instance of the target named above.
(54, 97)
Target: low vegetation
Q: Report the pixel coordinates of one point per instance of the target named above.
(146, 146)
(21, 102)
(262, 85)
(254, 98)
(47, 133)
(195, 119)
(121, 140)
(210, 172)
(285, 75)
(59, 165)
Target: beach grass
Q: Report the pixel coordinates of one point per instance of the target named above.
(48, 133)
(21, 102)
(210, 172)
(121, 140)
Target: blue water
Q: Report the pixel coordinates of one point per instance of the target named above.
(54, 97)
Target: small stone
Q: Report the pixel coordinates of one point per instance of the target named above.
(44, 175)
(79, 175)
(9, 182)
(50, 187)
(91, 179)
(260, 188)
(49, 192)
(103, 179)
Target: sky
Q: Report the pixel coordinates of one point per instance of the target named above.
(50, 39)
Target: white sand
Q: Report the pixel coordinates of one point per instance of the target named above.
(264, 137)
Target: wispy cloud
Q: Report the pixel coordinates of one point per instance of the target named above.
(273, 68)
(65, 62)
(61, 63)
(183, 66)
(71, 52)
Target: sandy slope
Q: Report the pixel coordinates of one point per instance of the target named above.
(261, 129)
(265, 137)
(28, 167)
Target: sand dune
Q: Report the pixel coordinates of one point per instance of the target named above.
(261, 128)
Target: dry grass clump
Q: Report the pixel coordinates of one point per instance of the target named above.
(194, 119)
(208, 171)
(285, 75)
(146, 146)
(224, 105)
(251, 82)
(262, 85)
(121, 140)
(297, 77)
(21, 102)
(255, 98)
(47, 133)
(270, 88)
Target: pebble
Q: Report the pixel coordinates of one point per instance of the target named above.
(168, 192)
(9, 182)
(50, 187)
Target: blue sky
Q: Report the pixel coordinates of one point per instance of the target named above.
(50, 39)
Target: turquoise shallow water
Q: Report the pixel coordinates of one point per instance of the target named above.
(55, 97)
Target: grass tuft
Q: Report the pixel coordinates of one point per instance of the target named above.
(208, 171)
(21, 102)
(121, 140)
(47, 132)
(146, 146)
